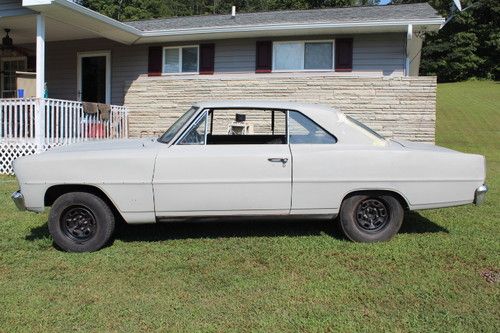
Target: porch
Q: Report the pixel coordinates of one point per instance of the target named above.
(41, 101)
(29, 126)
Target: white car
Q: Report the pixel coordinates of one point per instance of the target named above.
(246, 158)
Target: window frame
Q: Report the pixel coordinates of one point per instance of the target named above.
(179, 48)
(2, 74)
(205, 113)
(303, 44)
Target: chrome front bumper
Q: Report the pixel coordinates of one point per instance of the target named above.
(18, 199)
(480, 194)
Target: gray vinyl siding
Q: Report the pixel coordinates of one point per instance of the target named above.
(379, 54)
(372, 54)
(13, 8)
(127, 63)
(235, 56)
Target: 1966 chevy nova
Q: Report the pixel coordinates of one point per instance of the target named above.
(246, 158)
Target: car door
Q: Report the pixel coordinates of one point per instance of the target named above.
(193, 178)
(314, 160)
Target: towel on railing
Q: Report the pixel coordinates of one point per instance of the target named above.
(105, 109)
(91, 108)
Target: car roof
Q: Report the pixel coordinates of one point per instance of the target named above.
(311, 110)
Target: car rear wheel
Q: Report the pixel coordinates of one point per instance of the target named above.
(81, 222)
(372, 217)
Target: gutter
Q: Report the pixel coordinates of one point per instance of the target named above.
(278, 27)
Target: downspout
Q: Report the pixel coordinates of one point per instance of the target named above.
(409, 37)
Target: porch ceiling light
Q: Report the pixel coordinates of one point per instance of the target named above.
(7, 41)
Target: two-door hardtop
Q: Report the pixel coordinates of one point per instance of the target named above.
(319, 162)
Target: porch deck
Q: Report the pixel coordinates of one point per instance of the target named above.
(29, 126)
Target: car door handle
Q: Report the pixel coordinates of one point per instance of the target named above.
(278, 159)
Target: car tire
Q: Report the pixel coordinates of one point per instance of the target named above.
(373, 217)
(81, 222)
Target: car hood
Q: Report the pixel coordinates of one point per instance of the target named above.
(103, 145)
(422, 146)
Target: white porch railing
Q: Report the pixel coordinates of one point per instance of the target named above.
(29, 126)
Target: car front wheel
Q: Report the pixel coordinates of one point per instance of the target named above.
(371, 217)
(81, 222)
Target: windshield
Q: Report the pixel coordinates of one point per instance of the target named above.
(172, 131)
(366, 128)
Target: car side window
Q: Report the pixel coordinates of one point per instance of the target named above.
(196, 134)
(303, 130)
(246, 126)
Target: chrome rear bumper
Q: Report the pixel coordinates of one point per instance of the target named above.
(18, 199)
(480, 194)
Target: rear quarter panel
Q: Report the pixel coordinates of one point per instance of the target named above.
(324, 174)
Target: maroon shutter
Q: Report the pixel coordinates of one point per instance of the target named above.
(343, 55)
(155, 56)
(264, 57)
(207, 58)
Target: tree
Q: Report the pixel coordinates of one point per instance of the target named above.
(125, 10)
(467, 46)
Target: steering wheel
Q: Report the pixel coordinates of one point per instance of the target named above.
(193, 138)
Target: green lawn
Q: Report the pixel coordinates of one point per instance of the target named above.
(280, 276)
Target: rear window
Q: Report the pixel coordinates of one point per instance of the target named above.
(303, 130)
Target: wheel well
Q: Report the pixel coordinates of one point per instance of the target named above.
(396, 195)
(56, 191)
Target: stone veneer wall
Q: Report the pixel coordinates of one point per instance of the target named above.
(397, 107)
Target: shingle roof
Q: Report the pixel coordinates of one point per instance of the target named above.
(418, 11)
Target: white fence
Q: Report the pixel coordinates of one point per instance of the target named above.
(28, 126)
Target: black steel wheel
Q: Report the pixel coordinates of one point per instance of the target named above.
(371, 217)
(78, 223)
(81, 222)
(372, 214)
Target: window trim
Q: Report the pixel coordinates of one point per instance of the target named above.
(303, 42)
(180, 47)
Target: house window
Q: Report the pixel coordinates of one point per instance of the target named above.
(9, 66)
(183, 59)
(303, 55)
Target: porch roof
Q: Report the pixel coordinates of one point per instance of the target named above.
(67, 20)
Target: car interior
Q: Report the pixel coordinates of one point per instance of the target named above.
(246, 127)
(255, 126)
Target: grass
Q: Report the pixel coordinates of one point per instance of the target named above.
(279, 276)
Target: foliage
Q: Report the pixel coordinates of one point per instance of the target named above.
(467, 46)
(126, 10)
(272, 276)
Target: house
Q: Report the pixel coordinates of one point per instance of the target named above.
(364, 60)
